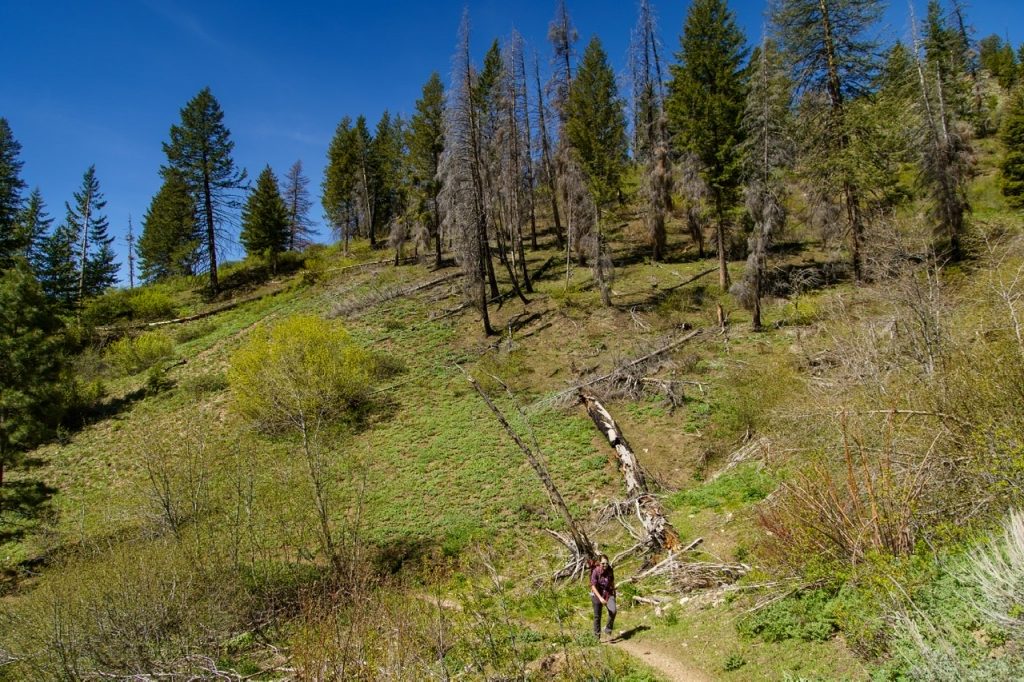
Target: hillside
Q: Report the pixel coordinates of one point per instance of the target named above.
(181, 539)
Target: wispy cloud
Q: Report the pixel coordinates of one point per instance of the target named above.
(183, 20)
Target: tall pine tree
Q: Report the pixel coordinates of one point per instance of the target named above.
(11, 186)
(33, 226)
(94, 252)
(295, 193)
(199, 150)
(595, 130)
(339, 195)
(265, 220)
(172, 239)
(1012, 135)
(705, 107)
(425, 139)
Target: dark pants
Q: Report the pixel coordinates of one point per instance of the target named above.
(610, 605)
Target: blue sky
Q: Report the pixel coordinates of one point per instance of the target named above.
(101, 82)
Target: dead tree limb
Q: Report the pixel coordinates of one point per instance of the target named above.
(660, 533)
(578, 543)
(562, 395)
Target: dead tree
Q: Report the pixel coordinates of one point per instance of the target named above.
(547, 161)
(580, 547)
(660, 535)
(463, 189)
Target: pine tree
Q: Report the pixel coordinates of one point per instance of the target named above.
(94, 253)
(650, 126)
(998, 59)
(563, 36)
(831, 58)
(200, 152)
(945, 154)
(387, 151)
(1012, 135)
(30, 366)
(425, 140)
(462, 194)
(11, 186)
(265, 220)
(295, 193)
(768, 154)
(705, 107)
(339, 194)
(57, 270)
(595, 130)
(171, 240)
(33, 226)
(366, 178)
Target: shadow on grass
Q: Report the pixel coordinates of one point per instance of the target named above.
(630, 633)
(23, 504)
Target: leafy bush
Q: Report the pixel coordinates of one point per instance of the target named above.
(145, 304)
(132, 355)
(807, 616)
(305, 373)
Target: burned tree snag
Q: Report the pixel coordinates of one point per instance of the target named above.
(660, 533)
(579, 544)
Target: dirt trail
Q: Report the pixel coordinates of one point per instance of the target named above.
(663, 660)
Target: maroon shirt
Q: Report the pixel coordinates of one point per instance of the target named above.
(604, 581)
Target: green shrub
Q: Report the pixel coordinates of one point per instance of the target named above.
(306, 372)
(119, 305)
(132, 355)
(807, 616)
(194, 330)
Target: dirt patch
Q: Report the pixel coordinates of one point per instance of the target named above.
(663, 660)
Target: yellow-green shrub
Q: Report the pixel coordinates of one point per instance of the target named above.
(131, 355)
(307, 371)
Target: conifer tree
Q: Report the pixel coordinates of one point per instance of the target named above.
(199, 150)
(265, 229)
(57, 271)
(339, 194)
(705, 107)
(388, 192)
(999, 60)
(650, 123)
(563, 36)
(11, 186)
(130, 242)
(33, 226)
(462, 194)
(362, 145)
(172, 238)
(830, 57)
(94, 253)
(426, 144)
(768, 154)
(30, 367)
(595, 130)
(295, 192)
(945, 154)
(1012, 135)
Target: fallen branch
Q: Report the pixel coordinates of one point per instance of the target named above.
(562, 395)
(754, 447)
(579, 545)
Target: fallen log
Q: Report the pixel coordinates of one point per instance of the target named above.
(660, 533)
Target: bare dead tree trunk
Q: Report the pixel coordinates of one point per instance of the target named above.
(549, 166)
(660, 533)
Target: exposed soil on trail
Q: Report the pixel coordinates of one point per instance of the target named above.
(661, 658)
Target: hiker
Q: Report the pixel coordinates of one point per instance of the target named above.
(602, 594)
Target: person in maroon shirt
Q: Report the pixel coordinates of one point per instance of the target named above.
(602, 594)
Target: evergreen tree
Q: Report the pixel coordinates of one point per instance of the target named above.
(265, 229)
(1012, 135)
(94, 253)
(57, 270)
(11, 186)
(171, 239)
(563, 36)
(366, 178)
(831, 58)
(30, 366)
(705, 106)
(295, 193)
(595, 131)
(650, 126)
(339, 194)
(768, 153)
(387, 151)
(200, 152)
(425, 140)
(33, 226)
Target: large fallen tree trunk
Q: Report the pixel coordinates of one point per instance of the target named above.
(580, 547)
(660, 535)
